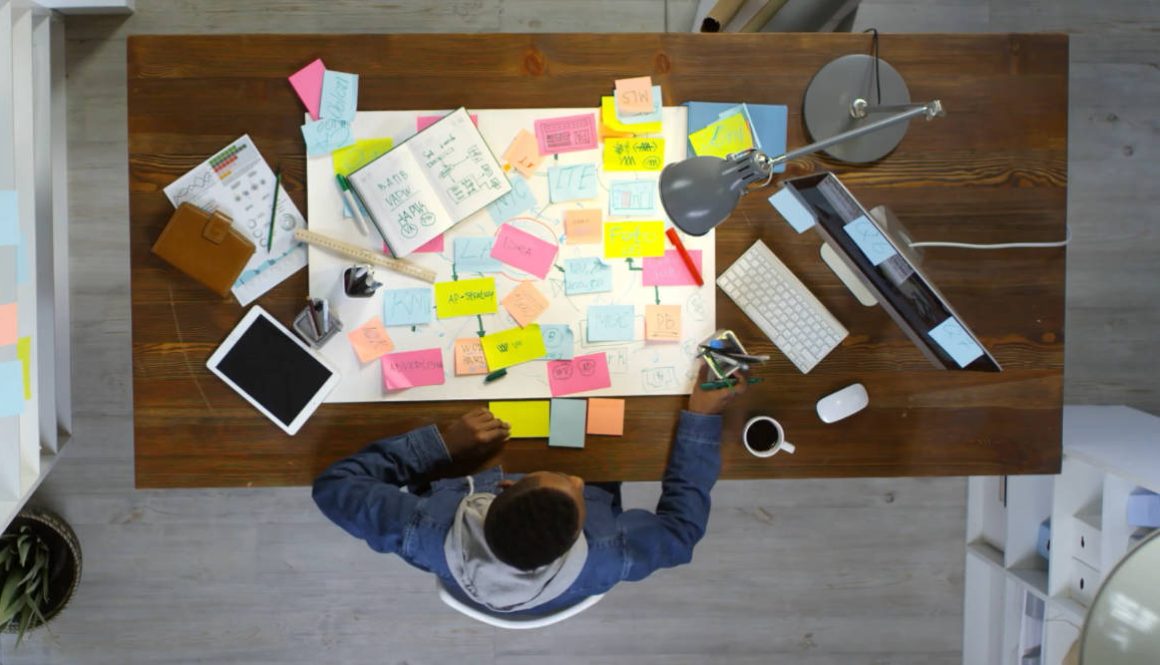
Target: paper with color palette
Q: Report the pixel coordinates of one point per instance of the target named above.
(523, 250)
(411, 369)
(566, 426)
(513, 346)
(581, 374)
(466, 297)
(528, 419)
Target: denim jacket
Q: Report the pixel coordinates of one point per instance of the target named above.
(371, 495)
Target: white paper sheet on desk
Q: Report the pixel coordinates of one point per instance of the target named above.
(239, 182)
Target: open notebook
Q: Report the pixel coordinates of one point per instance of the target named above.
(430, 182)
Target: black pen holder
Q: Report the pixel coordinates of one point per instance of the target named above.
(305, 330)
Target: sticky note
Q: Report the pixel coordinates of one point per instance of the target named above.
(466, 297)
(9, 218)
(582, 227)
(614, 127)
(558, 340)
(370, 340)
(587, 275)
(956, 341)
(425, 121)
(353, 157)
(869, 239)
(432, 246)
(339, 96)
(519, 199)
(523, 250)
(525, 303)
(11, 388)
(631, 119)
(722, 138)
(743, 110)
(326, 136)
(624, 240)
(786, 202)
(411, 369)
(632, 198)
(669, 269)
(8, 270)
(606, 417)
(634, 95)
(473, 254)
(566, 133)
(529, 420)
(469, 357)
(566, 426)
(523, 153)
(407, 307)
(634, 154)
(662, 323)
(307, 82)
(610, 323)
(570, 183)
(24, 355)
(513, 346)
(8, 324)
(580, 374)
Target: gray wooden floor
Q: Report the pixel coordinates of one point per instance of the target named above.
(809, 572)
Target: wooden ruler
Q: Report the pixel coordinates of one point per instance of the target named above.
(363, 255)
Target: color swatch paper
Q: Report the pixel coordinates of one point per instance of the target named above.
(519, 200)
(954, 339)
(587, 275)
(610, 323)
(307, 83)
(634, 154)
(469, 359)
(523, 250)
(524, 153)
(339, 96)
(411, 369)
(473, 254)
(662, 323)
(669, 269)
(582, 227)
(558, 340)
(581, 374)
(525, 303)
(633, 239)
(571, 183)
(370, 340)
(407, 307)
(567, 422)
(632, 198)
(528, 419)
(606, 416)
(869, 239)
(566, 134)
(513, 346)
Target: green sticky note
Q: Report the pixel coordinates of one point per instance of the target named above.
(529, 420)
(24, 355)
(568, 418)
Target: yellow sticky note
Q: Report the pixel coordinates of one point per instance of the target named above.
(353, 157)
(582, 227)
(723, 138)
(513, 346)
(370, 340)
(469, 357)
(662, 323)
(525, 303)
(615, 127)
(529, 420)
(466, 297)
(635, 154)
(524, 153)
(24, 354)
(623, 240)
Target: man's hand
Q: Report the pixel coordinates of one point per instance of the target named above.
(712, 402)
(476, 434)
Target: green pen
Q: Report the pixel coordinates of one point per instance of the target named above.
(727, 383)
(274, 209)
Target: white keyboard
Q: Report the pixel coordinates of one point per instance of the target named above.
(785, 310)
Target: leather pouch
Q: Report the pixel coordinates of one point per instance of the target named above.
(204, 246)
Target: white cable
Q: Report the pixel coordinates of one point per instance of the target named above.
(1004, 245)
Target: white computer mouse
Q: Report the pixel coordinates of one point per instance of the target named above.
(843, 404)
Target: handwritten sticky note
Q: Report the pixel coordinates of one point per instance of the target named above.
(632, 198)
(24, 355)
(351, 158)
(326, 136)
(469, 357)
(869, 239)
(654, 115)
(425, 121)
(524, 153)
(370, 340)
(432, 246)
(662, 323)
(307, 83)
(743, 109)
(582, 227)
(411, 369)
(582, 373)
(529, 420)
(610, 323)
(570, 183)
(466, 297)
(513, 346)
(523, 250)
(339, 96)
(566, 429)
(670, 270)
(11, 388)
(587, 275)
(606, 417)
(407, 307)
(566, 134)
(8, 270)
(956, 341)
(473, 254)
(786, 202)
(624, 240)
(634, 154)
(9, 218)
(525, 303)
(519, 199)
(634, 95)
(8, 324)
(613, 127)
(558, 340)
(722, 138)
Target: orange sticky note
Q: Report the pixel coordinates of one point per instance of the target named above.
(469, 358)
(7, 324)
(524, 153)
(606, 416)
(662, 323)
(582, 227)
(634, 95)
(370, 340)
(525, 303)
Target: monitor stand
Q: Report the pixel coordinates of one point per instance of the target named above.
(889, 223)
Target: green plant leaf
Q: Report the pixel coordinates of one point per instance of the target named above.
(8, 593)
(23, 545)
(6, 613)
(25, 621)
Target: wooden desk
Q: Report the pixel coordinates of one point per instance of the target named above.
(993, 170)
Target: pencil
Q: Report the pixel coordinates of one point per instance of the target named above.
(274, 209)
(676, 240)
(727, 383)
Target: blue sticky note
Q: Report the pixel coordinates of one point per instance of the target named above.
(610, 323)
(558, 340)
(768, 122)
(407, 307)
(569, 183)
(21, 262)
(567, 423)
(325, 136)
(473, 254)
(339, 96)
(786, 202)
(639, 118)
(869, 239)
(520, 199)
(632, 198)
(955, 340)
(11, 388)
(587, 275)
(9, 218)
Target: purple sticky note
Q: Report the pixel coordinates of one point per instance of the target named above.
(425, 121)
(669, 269)
(307, 82)
(432, 246)
(566, 134)
(579, 374)
(524, 251)
(412, 368)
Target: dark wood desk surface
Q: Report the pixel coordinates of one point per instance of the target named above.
(993, 170)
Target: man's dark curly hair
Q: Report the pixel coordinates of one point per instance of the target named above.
(528, 526)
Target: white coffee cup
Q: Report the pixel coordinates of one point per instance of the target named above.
(778, 445)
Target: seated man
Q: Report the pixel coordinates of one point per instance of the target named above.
(532, 544)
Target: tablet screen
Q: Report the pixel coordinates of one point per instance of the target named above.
(273, 370)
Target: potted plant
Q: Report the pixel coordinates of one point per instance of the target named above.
(40, 566)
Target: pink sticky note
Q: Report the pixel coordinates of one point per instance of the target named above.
(669, 269)
(566, 134)
(412, 368)
(432, 246)
(7, 324)
(524, 251)
(307, 83)
(425, 121)
(579, 374)
(634, 95)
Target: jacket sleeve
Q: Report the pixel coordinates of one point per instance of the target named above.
(364, 493)
(666, 538)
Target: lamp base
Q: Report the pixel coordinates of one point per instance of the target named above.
(831, 95)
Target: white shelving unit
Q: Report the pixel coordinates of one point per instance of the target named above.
(1014, 598)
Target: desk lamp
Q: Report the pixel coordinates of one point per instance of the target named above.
(1123, 624)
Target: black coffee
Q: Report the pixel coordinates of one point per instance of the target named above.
(762, 436)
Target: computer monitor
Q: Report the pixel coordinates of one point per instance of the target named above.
(880, 257)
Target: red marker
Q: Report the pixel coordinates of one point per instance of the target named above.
(676, 240)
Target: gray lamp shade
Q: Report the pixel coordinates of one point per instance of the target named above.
(701, 192)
